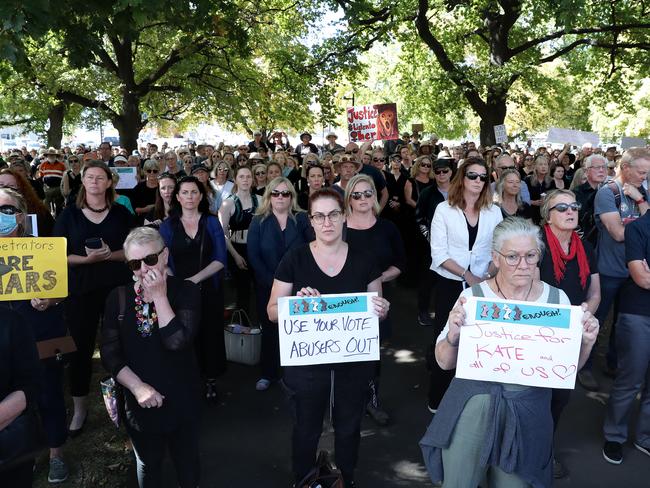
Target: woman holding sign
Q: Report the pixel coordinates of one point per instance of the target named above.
(472, 436)
(327, 265)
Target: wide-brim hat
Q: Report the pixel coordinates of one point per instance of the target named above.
(305, 134)
(52, 152)
(347, 159)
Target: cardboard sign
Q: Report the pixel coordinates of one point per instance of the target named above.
(628, 142)
(328, 329)
(33, 267)
(372, 122)
(128, 177)
(500, 134)
(575, 137)
(520, 342)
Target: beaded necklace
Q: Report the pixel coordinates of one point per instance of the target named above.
(145, 314)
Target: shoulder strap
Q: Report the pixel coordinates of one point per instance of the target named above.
(616, 190)
(121, 296)
(477, 291)
(553, 295)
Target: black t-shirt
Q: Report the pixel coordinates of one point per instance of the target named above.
(73, 225)
(633, 298)
(570, 284)
(141, 197)
(382, 241)
(377, 178)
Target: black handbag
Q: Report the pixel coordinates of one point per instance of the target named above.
(21, 440)
(323, 475)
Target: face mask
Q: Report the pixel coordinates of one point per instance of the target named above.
(8, 224)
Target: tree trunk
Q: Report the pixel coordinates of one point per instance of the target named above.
(129, 123)
(55, 132)
(494, 114)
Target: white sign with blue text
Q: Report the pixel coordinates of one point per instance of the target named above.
(328, 329)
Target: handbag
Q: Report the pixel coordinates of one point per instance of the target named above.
(56, 348)
(323, 474)
(21, 440)
(243, 343)
(113, 391)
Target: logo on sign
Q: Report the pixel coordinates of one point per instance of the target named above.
(318, 305)
(523, 314)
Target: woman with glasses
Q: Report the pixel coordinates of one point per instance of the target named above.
(146, 345)
(71, 181)
(568, 263)
(171, 162)
(461, 233)
(144, 194)
(222, 180)
(498, 431)
(378, 237)
(259, 178)
(166, 185)
(278, 226)
(197, 253)
(422, 177)
(10, 178)
(315, 176)
(508, 195)
(95, 229)
(327, 265)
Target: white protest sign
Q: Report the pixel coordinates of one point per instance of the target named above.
(628, 142)
(128, 177)
(575, 137)
(500, 134)
(520, 342)
(328, 329)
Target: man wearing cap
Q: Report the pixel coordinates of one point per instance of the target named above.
(305, 147)
(52, 169)
(332, 146)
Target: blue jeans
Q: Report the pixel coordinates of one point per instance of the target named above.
(633, 340)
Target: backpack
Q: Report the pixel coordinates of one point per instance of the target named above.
(588, 221)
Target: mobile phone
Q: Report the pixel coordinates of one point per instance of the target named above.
(94, 243)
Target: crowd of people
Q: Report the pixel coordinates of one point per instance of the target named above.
(150, 268)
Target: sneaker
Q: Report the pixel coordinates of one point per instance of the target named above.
(644, 450)
(613, 452)
(58, 471)
(587, 380)
(559, 470)
(380, 416)
(424, 319)
(262, 384)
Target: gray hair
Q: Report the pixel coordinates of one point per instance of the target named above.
(633, 154)
(550, 196)
(150, 164)
(141, 236)
(516, 227)
(594, 158)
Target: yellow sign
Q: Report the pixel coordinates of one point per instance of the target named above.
(33, 267)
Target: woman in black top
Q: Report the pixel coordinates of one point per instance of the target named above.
(198, 253)
(71, 181)
(539, 183)
(327, 265)
(315, 175)
(396, 178)
(146, 345)
(508, 195)
(95, 229)
(144, 194)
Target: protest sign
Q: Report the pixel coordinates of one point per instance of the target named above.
(328, 329)
(33, 267)
(500, 134)
(575, 137)
(372, 122)
(520, 342)
(128, 177)
(628, 142)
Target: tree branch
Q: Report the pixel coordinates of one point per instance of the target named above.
(9, 123)
(69, 96)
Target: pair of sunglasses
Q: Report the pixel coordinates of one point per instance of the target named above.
(441, 171)
(9, 210)
(357, 195)
(260, 173)
(563, 207)
(472, 176)
(376, 160)
(150, 260)
(425, 165)
(154, 171)
(277, 193)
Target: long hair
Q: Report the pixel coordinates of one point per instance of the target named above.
(110, 194)
(175, 209)
(159, 207)
(415, 169)
(501, 183)
(34, 204)
(456, 196)
(354, 181)
(265, 208)
(547, 179)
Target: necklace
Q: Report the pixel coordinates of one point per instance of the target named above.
(145, 314)
(97, 210)
(504, 295)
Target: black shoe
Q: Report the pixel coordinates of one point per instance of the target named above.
(587, 380)
(72, 433)
(559, 470)
(424, 319)
(380, 416)
(613, 452)
(211, 394)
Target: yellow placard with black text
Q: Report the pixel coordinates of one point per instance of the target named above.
(33, 267)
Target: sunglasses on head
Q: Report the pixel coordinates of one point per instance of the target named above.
(472, 176)
(150, 260)
(9, 209)
(441, 171)
(154, 171)
(357, 195)
(563, 207)
(284, 193)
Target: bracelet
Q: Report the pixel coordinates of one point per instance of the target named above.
(449, 342)
(462, 275)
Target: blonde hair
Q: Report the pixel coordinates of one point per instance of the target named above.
(349, 189)
(265, 208)
(415, 169)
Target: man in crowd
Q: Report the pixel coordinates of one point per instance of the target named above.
(332, 146)
(595, 167)
(502, 163)
(52, 169)
(106, 153)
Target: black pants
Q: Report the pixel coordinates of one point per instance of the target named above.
(183, 445)
(242, 278)
(18, 477)
(270, 360)
(447, 292)
(308, 389)
(209, 342)
(51, 404)
(559, 400)
(82, 315)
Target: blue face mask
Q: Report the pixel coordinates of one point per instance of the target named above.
(8, 224)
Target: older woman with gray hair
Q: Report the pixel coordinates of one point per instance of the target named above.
(471, 438)
(147, 336)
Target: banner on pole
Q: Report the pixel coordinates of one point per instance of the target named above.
(500, 134)
(628, 142)
(372, 122)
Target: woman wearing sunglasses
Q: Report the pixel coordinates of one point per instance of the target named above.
(144, 194)
(259, 179)
(498, 431)
(278, 226)
(570, 264)
(71, 181)
(222, 180)
(377, 237)
(327, 265)
(146, 345)
(197, 253)
(461, 235)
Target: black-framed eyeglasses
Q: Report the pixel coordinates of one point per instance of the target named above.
(472, 176)
(9, 210)
(442, 171)
(357, 195)
(334, 216)
(563, 207)
(278, 193)
(150, 260)
(513, 259)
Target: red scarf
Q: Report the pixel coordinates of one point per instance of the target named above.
(560, 258)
